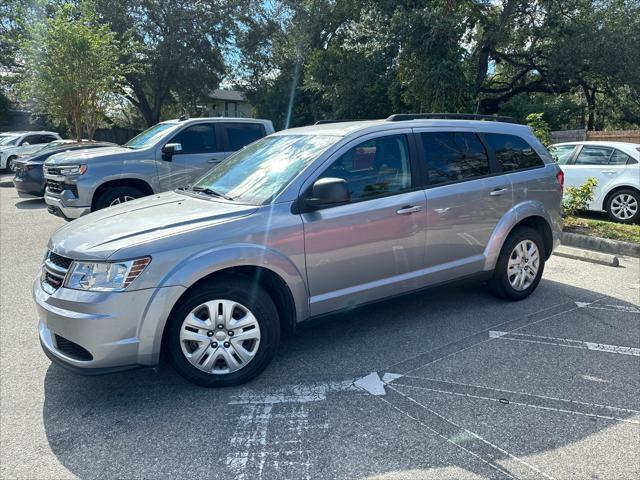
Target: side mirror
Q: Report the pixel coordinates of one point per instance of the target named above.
(169, 150)
(328, 191)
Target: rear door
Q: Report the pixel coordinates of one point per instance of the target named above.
(466, 199)
(236, 135)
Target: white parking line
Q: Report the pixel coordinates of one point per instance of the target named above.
(611, 308)
(565, 342)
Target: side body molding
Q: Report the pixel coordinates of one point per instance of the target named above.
(528, 208)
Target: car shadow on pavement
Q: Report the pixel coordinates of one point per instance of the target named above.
(145, 423)
(31, 204)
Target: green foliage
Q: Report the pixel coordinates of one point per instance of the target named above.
(577, 199)
(540, 128)
(72, 67)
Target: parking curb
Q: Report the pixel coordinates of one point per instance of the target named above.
(598, 244)
(587, 256)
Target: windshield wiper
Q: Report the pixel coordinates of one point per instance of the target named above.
(211, 192)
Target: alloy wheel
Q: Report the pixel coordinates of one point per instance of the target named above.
(523, 265)
(220, 336)
(624, 206)
(122, 199)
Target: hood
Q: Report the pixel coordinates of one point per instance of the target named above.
(100, 234)
(87, 156)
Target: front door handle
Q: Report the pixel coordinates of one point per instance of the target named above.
(498, 191)
(609, 172)
(213, 160)
(409, 209)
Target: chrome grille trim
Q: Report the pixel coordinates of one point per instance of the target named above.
(54, 272)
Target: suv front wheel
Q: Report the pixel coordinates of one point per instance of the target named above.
(223, 333)
(116, 196)
(520, 265)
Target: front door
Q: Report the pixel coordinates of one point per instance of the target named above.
(373, 246)
(465, 202)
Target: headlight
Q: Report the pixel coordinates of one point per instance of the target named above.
(74, 170)
(105, 276)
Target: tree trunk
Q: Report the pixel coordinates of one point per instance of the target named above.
(590, 96)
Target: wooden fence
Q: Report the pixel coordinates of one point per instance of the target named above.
(632, 136)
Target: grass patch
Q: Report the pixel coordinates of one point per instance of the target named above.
(603, 229)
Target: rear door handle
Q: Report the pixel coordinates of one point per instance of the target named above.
(213, 160)
(498, 191)
(610, 172)
(409, 209)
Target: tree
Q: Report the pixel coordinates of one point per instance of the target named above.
(540, 128)
(71, 67)
(174, 48)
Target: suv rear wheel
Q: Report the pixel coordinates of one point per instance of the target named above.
(520, 265)
(116, 196)
(224, 333)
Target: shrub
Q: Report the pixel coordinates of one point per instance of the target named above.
(578, 198)
(540, 128)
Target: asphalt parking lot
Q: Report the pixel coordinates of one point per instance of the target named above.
(447, 383)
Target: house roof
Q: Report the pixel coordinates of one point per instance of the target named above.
(230, 95)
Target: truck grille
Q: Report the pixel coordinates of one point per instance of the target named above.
(52, 170)
(54, 271)
(72, 349)
(54, 186)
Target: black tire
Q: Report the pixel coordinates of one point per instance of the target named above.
(627, 191)
(238, 289)
(499, 283)
(107, 197)
(9, 165)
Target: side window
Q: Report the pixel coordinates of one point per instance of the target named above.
(48, 138)
(619, 158)
(241, 134)
(513, 152)
(199, 138)
(454, 156)
(594, 155)
(31, 140)
(380, 166)
(562, 153)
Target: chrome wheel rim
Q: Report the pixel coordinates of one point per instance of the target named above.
(220, 337)
(523, 265)
(122, 199)
(624, 206)
(12, 165)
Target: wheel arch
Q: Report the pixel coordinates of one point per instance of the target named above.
(138, 183)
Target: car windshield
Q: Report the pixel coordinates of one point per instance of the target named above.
(8, 140)
(149, 136)
(259, 171)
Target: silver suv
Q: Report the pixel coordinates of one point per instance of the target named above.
(299, 224)
(168, 155)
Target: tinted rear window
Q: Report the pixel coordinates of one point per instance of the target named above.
(241, 134)
(513, 152)
(454, 156)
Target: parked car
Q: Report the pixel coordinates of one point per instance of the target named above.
(29, 177)
(299, 224)
(168, 155)
(616, 167)
(23, 143)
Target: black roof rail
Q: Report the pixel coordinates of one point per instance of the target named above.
(401, 117)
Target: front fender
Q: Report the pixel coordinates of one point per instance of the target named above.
(517, 213)
(191, 270)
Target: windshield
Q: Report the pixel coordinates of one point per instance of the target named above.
(8, 140)
(258, 172)
(149, 136)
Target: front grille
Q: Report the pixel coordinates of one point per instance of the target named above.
(59, 260)
(52, 170)
(54, 272)
(54, 186)
(71, 349)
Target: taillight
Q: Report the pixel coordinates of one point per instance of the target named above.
(560, 178)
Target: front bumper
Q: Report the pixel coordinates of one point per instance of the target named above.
(58, 207)
(120, 330)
